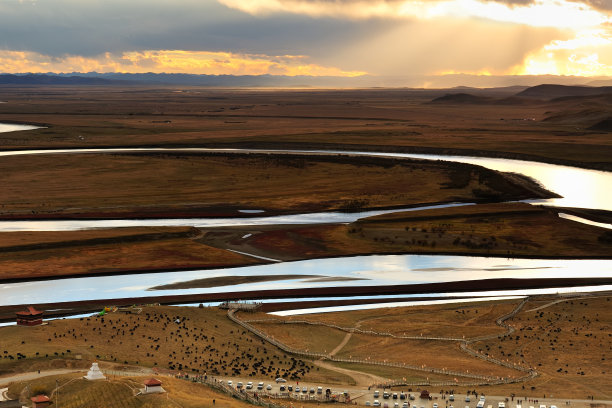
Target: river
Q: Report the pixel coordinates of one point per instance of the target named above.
(579, 187)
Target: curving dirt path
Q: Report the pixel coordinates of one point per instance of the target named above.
(34, 374)
(341, 345)
(361, 379)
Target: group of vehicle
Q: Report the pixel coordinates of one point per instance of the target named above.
(282, 388)
(249, 385)
(406, 404)
(388, 395)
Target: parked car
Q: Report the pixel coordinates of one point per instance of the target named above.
(402, 396)
(467, 399)
(435, 405)
(385, 395)
(376, 394)
(280, 380)
(376, 403)
(282, 388)
(304, 390)
(396, 405)
(405, 404)
(385, 405)
(501, 404)
(239, 385)
(290, 388)
(297, 389)
(319, 390)
(367, 404)
(249, 385)
(395, 395)
(451, 397)
(260, 386)
(230, 383)
(269, 387)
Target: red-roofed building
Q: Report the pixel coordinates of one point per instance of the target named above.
(153, 385)
(29, 317)
(40, 401)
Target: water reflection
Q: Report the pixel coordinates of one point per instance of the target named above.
(379, 270)
(9, 127)
(580, 188)
(312, 218)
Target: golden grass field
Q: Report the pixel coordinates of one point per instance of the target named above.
(31, 255)
(546, 341)
(490, 229)
(120, 392)
(191, 185)
(364, 119)
(568, 343)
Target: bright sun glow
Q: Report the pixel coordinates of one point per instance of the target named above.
(176, 61)
(588, 53)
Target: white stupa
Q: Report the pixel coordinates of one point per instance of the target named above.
(94, 373)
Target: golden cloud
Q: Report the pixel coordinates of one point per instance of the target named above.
(589, 53)
(174, 61)
(536, 13)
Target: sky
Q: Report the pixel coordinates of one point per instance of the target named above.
(385, 38)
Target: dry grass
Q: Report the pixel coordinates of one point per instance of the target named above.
(569, 343)
(29, 255)
(578, 330)
(205, 341)
(318, 339)
(359, 118)
(120, 392)
(491, 229)
(174, 185)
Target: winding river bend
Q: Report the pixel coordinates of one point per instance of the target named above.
(580, 188)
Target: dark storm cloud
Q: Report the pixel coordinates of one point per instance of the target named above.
(59, 27)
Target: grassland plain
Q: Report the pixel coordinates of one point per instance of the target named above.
(159, 185)
(377, 119)
(204, 341)
(567, 339)
(121, 392)
(519, 230)
(514, 229)
(571, 333)
(34, 255)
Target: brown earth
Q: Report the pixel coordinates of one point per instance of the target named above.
(383, 119)
(36, 255)
(567, 339)
(516, 229)
(160, 185)
(572, 332)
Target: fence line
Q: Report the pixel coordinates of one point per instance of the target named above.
(484, 379)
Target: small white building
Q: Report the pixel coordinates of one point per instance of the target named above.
(152, 386)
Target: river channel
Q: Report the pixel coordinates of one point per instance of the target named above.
(579, 187)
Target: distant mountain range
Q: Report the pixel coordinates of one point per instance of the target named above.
(365, 81)
(94, 78)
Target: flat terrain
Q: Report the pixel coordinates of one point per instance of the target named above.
(35, 255)
(160, 185)
(516, 229)
(122, 392)
(567, 340)
(548, 329)
(542, 128)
